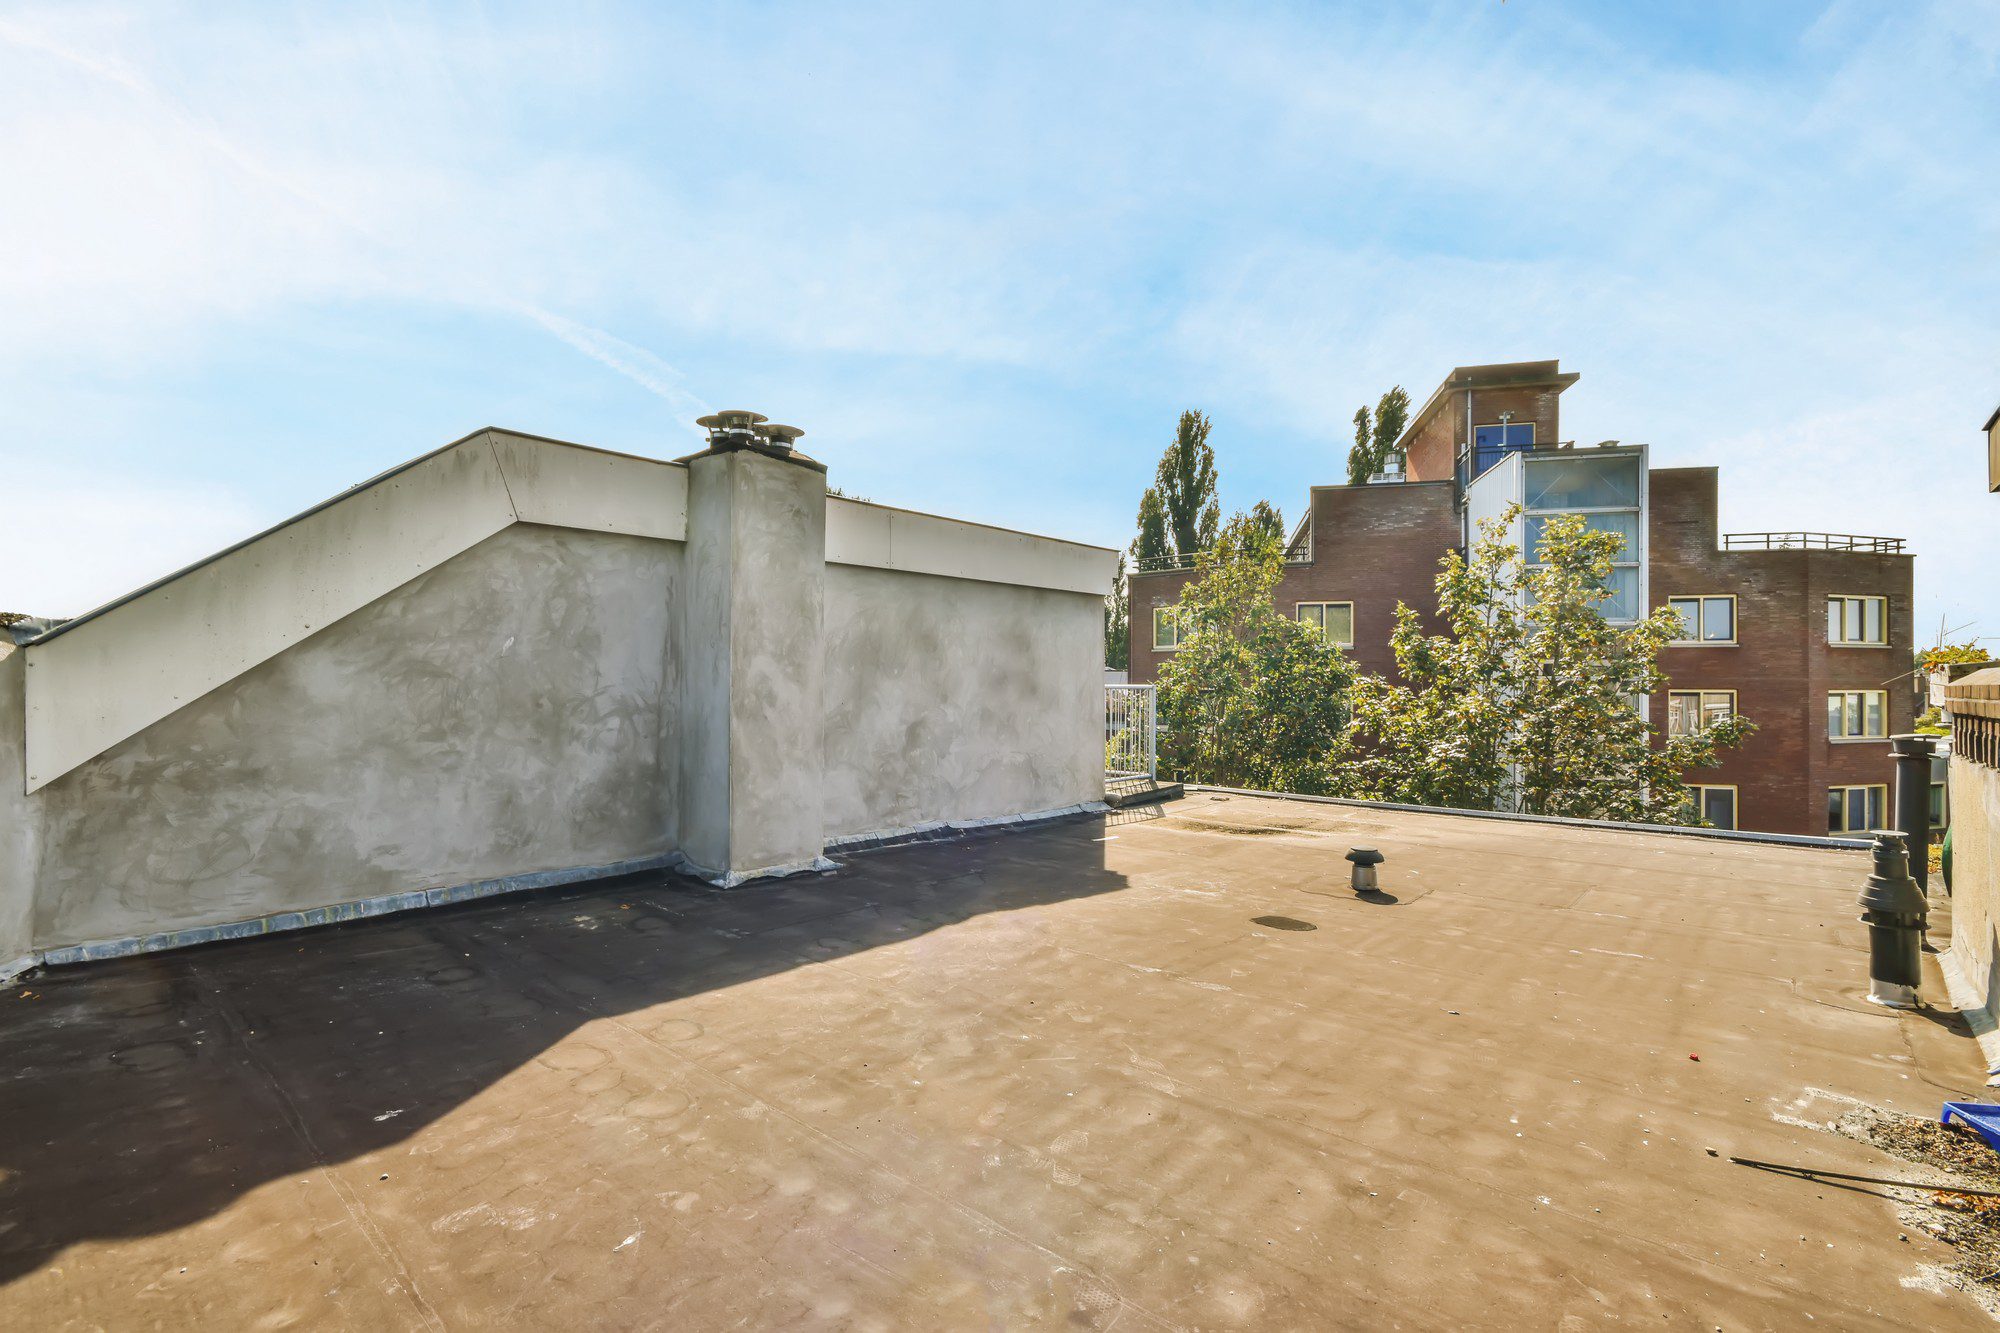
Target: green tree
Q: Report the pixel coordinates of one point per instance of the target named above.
(1269, 521)
(1375, 437)
(1186, 486)
(1252, 698)
(1151, 549)
(1526, 702)
(1262, 529)
(1117, 622)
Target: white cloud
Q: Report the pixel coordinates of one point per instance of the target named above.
(984, 245)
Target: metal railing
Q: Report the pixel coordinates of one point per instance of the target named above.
(1811, 541)
(1165, 563)
(1131, 731)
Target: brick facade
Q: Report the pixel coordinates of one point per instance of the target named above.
(1473, 396)
(1377, 545)
(1781, 666)
(1373, 546)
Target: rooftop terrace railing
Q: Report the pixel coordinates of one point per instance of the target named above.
(1811, 541)
(1162, 563)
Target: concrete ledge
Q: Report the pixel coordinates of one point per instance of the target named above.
(334, 913)
(1673, 830)
(942, 830)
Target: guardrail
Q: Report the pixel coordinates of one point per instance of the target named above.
(1165, 563)
(1811, 541)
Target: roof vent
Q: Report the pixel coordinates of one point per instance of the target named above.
(735, 427)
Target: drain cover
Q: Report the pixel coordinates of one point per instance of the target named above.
(1282, 923)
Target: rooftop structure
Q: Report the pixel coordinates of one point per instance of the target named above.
(516, 662)
(1155, 1069)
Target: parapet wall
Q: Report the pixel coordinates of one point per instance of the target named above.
(504, 666)
(1974, 786)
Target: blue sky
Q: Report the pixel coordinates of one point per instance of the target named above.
(985, 256)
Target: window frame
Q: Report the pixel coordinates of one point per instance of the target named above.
(1504, 427)
(1169, 615)
(1845, 789)
(1701, 601)
(1338, 643)
(1700, 710)
(1843, 737)
(1628, 559)
(1698, 793)
(1864, 598)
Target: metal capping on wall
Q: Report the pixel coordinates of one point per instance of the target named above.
(412, 900)
(107, 675)
(1614, 825)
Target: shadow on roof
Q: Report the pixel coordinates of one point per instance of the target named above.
(147, 1094)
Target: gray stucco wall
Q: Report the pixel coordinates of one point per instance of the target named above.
(18, 817)
(751, 631)
(513, 710)
(948, 699)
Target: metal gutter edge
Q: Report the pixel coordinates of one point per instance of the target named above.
(942, 830)
(334, 913)
(1672, 830)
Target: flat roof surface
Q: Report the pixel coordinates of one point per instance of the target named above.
(1090, 1074)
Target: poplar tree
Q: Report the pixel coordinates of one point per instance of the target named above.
(1186, 487)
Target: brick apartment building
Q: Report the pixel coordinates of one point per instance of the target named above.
(1807, 634)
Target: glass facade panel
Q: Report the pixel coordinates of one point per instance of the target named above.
(1572, 481)
(1718, 619)
(1871, 714)
(1871, 620)
(1716, 706)
(1623, 525)
(1851, 621)
(1623, 604)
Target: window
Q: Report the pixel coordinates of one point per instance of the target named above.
(1940, 812)
(1605, 493)
(1166, 628)
(1580, 481)
(1855, 809)
(1857, 620)
(1333, 619)
(1712, 805)
(1705, 619)
(1625, 524)
(1857, 715)
(1688, 711)
(1506, 435)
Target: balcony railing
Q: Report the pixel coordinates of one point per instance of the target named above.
(1163, 563)
(1811, 541)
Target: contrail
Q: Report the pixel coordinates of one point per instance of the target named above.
(637, 364)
